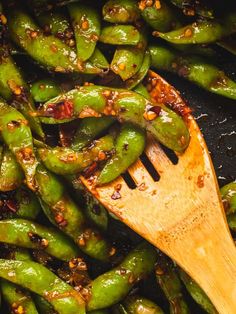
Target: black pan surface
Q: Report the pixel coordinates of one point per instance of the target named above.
(216, 117)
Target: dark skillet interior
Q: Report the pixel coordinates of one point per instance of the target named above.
(216, 117)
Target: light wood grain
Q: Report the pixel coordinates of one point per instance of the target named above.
(181, 214)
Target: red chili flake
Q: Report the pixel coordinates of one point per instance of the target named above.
(35, 238)
(61, 110)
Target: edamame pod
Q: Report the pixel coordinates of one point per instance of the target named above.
(95, 212)
(88, 130)
(127, 106)
(197, 293)
(128, 60)
(121, 11)
(43, 306)
(99, 60)
(170, 284)
(139, 76)
(13, 88)
(159, 15)
(11, 174)
(27, 204)
(44, 89)
(201, 32)
(49, 51)
(17, 299)
(120, 35)
(142, 90)
(39, 279)
(57, 24)
(64, 161)
(192, 7)
(117, 282)
(138, 305)
(228, 194)
(87, 28)
(16, 134)
(130, 144)
(62, 211)
(28, 234)
(195, 69)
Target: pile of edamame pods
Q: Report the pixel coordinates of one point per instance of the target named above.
(75, 100)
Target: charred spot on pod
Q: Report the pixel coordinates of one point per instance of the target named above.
(26, 154)
(13, 124)
(151, 112)
(60, 220)
(37, 239)
(61, 110)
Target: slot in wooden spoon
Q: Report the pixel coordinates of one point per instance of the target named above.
(182, 213)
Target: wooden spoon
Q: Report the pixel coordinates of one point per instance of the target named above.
(182, 213)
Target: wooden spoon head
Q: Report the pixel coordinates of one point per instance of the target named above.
(165, 211)
(181, 213)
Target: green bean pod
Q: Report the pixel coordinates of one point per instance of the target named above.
(128, 60)
(17, 299)
(28, 234)
(170, 284)
(194, 69)
(201, 32)
(11, 174)
(45, 89)
(39, 279)
(87, 28)
(140, 75)
(130, 144)
(137, 305)
(88, 130)
(197, 293)
(228, 194)
(192, 7)
(160, 17)
(120, 35)
(17, 136)
(48, 51)
(62, 211)
(127, 106)
(121, 11)
(64, 161)
(117, 282)
(13, 88)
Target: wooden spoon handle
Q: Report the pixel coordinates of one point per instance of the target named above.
(211, 261)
